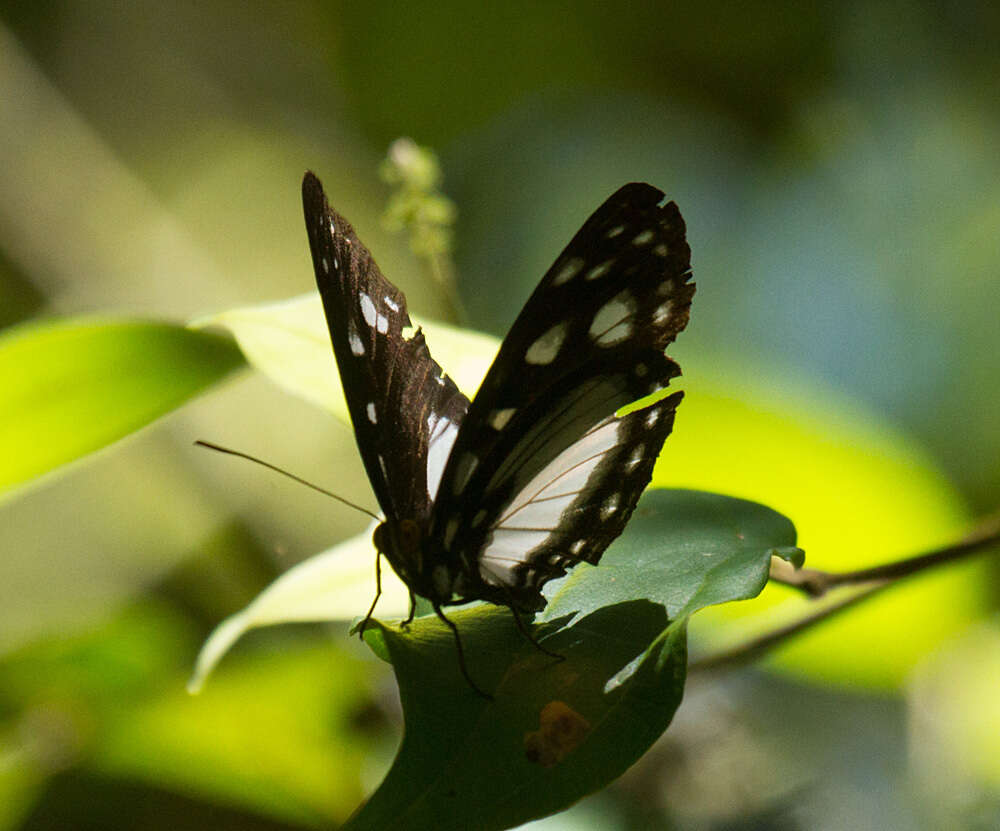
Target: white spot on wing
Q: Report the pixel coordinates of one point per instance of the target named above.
(637, 455)
(660, 249)
(442, 437)
(653, 417)
(391, 304)
(662, 313)
(499, 418)
(326, 266)
(612, 324)
(367, 308)
(614, 232)
(599, 271)
(357, 347)
(544, 350)
(382, 323)
(610, 506)
(643, 238)
(370, 410)
(568, 271)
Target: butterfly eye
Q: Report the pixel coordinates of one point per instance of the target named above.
(379, 539)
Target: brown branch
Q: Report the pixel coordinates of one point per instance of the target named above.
(817, 583)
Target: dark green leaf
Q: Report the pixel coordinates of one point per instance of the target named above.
(682, 549)
(558, 730)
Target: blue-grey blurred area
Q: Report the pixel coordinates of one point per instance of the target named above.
(838, 166)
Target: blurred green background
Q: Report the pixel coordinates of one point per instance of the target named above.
(839, 170)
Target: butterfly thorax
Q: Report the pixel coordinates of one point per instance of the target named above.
(403, 542)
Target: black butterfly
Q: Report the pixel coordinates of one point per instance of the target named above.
(491, 499)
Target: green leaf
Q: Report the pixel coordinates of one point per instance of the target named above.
(684, 550)
(71, 387)
(277, 733)
(558, 730)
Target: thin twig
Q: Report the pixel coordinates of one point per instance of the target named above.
(816, 583)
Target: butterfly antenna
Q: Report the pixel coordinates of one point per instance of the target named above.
(277, 469)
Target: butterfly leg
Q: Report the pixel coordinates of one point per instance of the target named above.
(413, 610)
(523, 627)
(461, 654)
(378, 594)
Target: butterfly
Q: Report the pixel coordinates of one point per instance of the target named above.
(490, 499)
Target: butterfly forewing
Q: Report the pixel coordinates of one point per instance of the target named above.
(406, 412)
(542, 474)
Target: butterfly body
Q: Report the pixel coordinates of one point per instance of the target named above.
(403, 542)
(490, 499)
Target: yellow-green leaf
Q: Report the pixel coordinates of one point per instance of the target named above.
(71, 387)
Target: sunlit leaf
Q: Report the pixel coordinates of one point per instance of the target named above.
(71, 387)
(277, 734)
(288, 341)
(338, 584)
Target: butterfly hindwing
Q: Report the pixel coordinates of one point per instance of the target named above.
(542, 474)
(406, 412)
(575, 506)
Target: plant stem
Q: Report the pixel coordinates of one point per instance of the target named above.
(442, 276)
